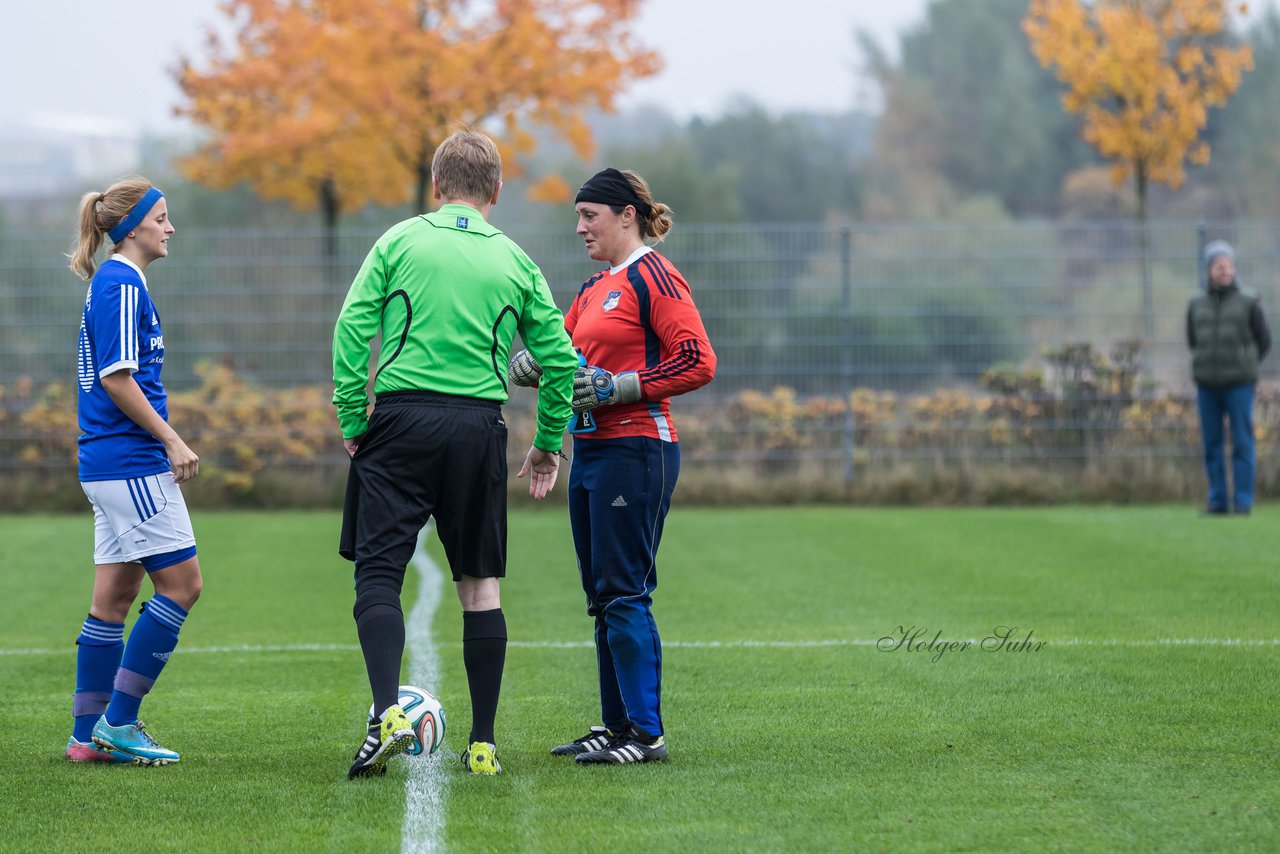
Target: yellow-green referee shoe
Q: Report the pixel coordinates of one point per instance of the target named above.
(388, 737)
(481, 758)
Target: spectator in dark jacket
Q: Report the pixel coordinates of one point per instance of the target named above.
(1228, 336)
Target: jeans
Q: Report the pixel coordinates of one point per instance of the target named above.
(1235, 403)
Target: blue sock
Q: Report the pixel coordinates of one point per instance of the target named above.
(98, 651)
(153, 638)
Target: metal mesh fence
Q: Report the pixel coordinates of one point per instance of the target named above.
(839, 346)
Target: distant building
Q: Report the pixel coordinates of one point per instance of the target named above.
(52, 154)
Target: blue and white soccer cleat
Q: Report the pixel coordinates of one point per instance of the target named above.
(87, 751)
(134, 741)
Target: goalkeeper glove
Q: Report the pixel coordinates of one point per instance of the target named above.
(524, 370)
(594, 387)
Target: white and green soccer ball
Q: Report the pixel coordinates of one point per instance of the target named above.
(425, 714)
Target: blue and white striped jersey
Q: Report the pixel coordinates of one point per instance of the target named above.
(120, 330)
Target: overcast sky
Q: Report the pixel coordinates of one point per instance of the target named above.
(86, 58)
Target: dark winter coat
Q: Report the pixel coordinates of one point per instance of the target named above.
(1228, 336)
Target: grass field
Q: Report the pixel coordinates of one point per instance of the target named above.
(1146, 722)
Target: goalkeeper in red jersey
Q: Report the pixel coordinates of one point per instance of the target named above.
(642, 339)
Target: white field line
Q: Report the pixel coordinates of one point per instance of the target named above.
(731, 644)
(423, 830)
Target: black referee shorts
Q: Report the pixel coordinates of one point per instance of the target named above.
(429, 455)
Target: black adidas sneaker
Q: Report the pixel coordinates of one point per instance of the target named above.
(594, 740)
(634, 745)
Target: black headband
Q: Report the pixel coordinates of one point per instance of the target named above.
(611, 187)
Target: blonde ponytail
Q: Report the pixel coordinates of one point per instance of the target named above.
(98, 214)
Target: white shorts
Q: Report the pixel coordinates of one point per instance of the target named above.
(142, 519)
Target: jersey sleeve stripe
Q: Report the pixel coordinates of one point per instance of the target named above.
(665, 272)
(133, 322)
(130, 338)
(686, 360)
(124, 311)
(650, 266)
(128, 324)
(661, 276)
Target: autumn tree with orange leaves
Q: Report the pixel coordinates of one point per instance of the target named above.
(334, 104)
(1142, 74)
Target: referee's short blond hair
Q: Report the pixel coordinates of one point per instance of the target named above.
(467, 166)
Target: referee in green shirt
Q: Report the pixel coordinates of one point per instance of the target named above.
(448, 292)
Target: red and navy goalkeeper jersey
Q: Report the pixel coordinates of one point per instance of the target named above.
(641, 317)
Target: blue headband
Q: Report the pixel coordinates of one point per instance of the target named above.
(140, 210)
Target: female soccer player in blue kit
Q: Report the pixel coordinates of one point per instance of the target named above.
(643, 341)
(131, 462)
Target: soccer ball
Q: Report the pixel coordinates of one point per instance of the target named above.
(425, 715)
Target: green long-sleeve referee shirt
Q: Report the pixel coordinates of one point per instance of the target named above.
(449, 291)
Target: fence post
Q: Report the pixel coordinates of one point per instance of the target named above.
(1148, 301)
(1202, 240)
(846, 349)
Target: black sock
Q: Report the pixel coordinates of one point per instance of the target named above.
(484, 651)
(381, 630)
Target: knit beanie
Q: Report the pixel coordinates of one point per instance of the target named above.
(1216, 250)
